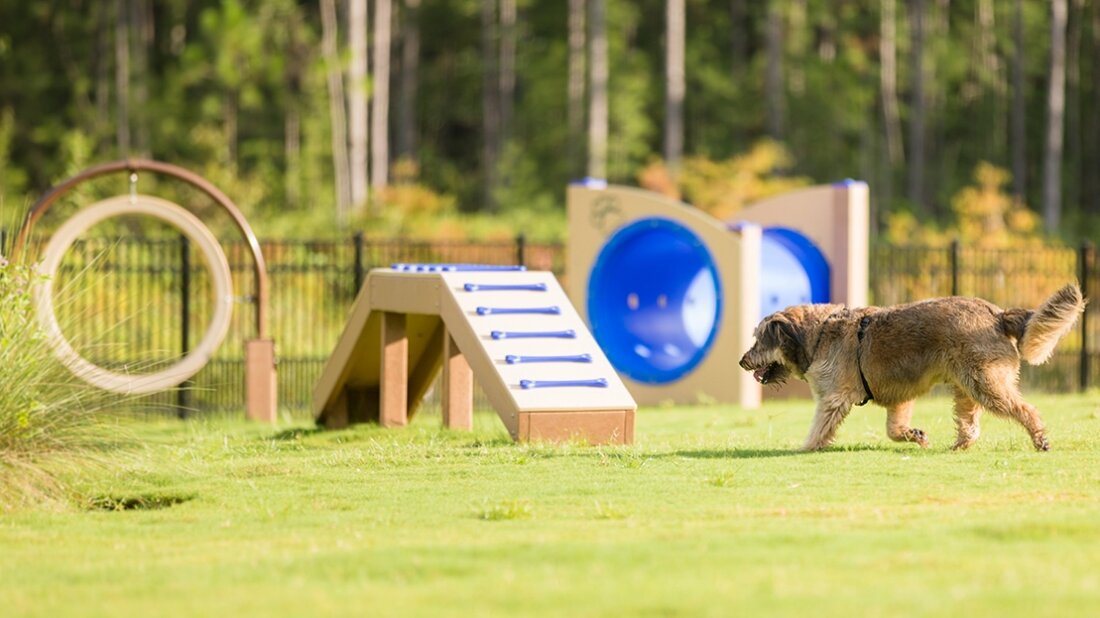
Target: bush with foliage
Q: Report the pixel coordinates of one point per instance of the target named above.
(722, 188)
(47, 416)
(982, 215)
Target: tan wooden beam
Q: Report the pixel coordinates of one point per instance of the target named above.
(593, 427)
(260, 380)
(458, 388)
(394, 378)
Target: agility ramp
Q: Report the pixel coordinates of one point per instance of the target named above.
(513, 330)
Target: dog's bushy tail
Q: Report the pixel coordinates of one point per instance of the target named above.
(1038, 332)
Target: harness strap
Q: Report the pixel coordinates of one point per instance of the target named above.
(859, 364)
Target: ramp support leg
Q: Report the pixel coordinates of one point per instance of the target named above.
(394, 373)
(458, 388)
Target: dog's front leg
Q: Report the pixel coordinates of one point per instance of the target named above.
(897, 424)
(828, 417)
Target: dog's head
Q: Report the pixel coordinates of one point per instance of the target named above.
(779, 351)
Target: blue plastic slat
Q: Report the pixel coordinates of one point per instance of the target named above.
(597, 383)
(450, 268)
(513, 359)
(552, 310)
(505, 287)
(555, 334)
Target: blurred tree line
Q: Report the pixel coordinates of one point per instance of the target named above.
(420, 116)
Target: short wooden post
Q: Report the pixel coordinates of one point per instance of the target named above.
(260, 393)
(394, 372)
(458, 388)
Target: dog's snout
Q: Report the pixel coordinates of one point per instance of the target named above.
(745, 361)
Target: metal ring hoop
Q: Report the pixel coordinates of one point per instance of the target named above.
(174, 171)
(196, 232)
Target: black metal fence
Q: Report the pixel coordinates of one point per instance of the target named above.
(1021, 277)
(137, 303)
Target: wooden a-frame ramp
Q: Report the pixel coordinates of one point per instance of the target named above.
(512, 329)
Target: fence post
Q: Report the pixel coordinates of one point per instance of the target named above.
(953, 259)
(521, 249)
(358, 269)
(1084, 267)
(183, 394)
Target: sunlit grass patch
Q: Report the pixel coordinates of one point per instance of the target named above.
(504, 510)
(704, 515)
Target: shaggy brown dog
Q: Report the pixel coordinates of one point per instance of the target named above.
(895, 354)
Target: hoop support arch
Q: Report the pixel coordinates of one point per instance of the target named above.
(196, 232)
(260, 379)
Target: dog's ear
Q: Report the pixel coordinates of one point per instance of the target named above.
(790, 340)
(771, 335)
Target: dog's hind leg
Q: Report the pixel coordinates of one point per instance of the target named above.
(995, 389)
(897, 425)
(1030, 419)
(967, 412)
(827, 419)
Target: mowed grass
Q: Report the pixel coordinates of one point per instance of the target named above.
(710, 513)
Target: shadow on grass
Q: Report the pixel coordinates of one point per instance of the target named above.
(140, 502)
(503, 441)
(296, 433)
(736, 453)
(764, 453)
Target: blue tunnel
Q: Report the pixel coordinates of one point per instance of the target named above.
(655, 298)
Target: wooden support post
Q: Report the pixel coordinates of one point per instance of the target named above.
(261, 399)
(458, 388)
(394, 373)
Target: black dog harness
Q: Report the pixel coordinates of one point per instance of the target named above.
(859, 364)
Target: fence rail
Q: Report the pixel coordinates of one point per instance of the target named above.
(139, 302)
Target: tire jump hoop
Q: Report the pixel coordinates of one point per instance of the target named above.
(259, 361)
(196, 232)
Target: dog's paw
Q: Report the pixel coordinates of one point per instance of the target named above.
(918, 436)
(1041, 442)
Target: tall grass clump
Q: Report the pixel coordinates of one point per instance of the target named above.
(47, 416)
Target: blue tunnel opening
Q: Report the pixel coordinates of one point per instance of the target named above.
(655, 299)
(793, 271)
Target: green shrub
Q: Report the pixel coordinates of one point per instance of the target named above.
(722, 188)
(47, 416)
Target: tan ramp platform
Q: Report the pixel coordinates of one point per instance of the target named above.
(514, 331)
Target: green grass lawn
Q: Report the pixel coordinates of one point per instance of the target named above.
(709, 513)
